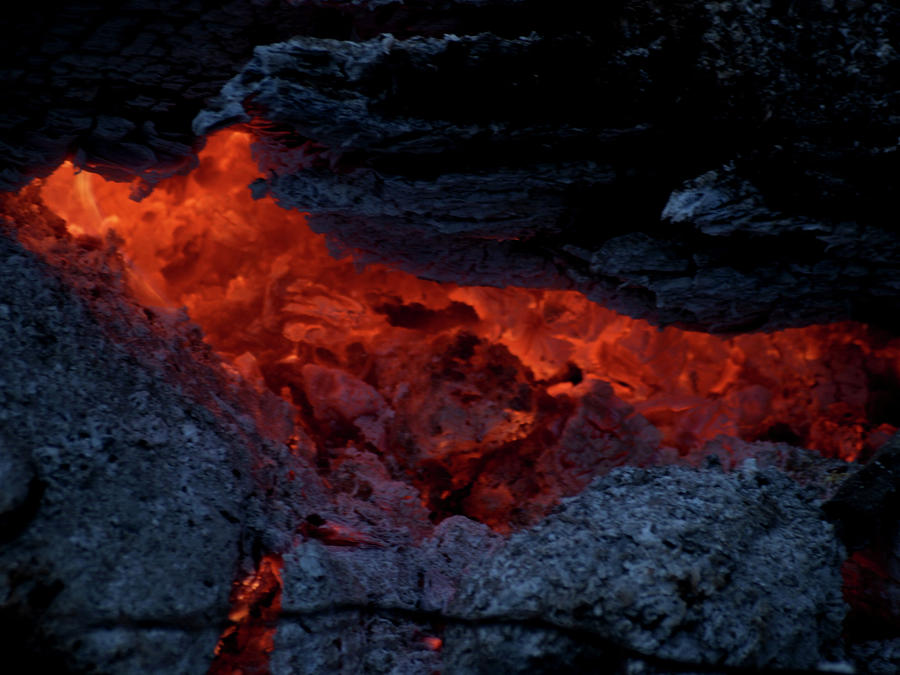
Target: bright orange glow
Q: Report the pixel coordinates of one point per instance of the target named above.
(245, 645)
(439, 376)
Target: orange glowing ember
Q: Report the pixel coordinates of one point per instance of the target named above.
(246, 644)
(341, 342)
(433, 643)
(489, 402)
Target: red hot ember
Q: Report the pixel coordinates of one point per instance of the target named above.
(492, 403)
(457, 386)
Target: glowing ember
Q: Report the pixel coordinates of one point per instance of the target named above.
(433, 643)
(493, 403)
(247, 642)
(482, 397)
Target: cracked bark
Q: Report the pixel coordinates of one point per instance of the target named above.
(725, 167)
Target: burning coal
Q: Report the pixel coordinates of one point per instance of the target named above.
(493, 402)
(431, 400)
(411, 476)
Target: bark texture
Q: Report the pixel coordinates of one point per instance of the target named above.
(723, 166)
(728, 166)
(138, 481)
(693, 566)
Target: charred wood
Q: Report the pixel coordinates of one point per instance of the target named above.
(726, 167)
(715, 167)
(154, 492)
(723, 166)
(133, 486)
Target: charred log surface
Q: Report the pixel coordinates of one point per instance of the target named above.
(866, 508)
(114, 489)
(116, 84)
(721, 166)
(133, 492)
(673, 564)
(866, 514)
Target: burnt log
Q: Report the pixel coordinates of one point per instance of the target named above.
(123, 505)
(132, 474)
(725, 166)
(866, 508)
(137, 482)
(865, 511)
(734, 175)
(668, 564)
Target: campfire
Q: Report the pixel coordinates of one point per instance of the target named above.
(383, 457)
(492, 402)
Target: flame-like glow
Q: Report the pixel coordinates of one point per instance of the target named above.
(491, 402)
(271, 299)
(433, 643)
(245, 645)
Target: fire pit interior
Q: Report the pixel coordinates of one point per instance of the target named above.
(408, 356)
(492, 402)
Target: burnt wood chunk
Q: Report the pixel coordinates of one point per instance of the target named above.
(721, 166)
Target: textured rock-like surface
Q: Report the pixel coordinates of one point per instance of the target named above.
(522, 648)
(866, 515)
(122, 501)
(726, 166)
(696, 164)
(116, 85)
(318, 577)
(136, 482)
(878, 657)
(866, 508)
(354, 641)
(693, 566)
(821, 476)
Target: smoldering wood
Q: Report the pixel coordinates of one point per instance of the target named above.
(737, 174)
(726, 167)
(128, 490)
(148, 492)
